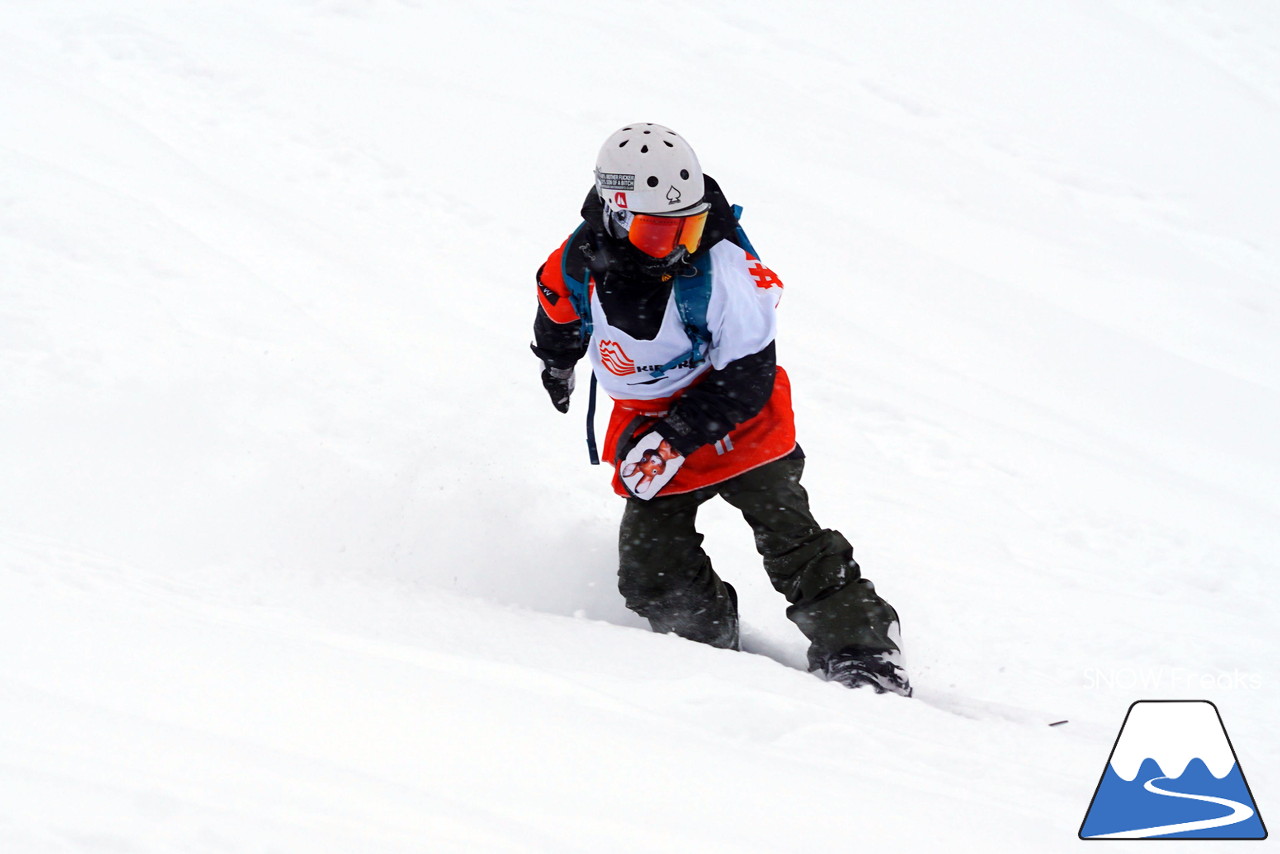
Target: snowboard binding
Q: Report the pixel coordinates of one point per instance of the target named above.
(879, 670)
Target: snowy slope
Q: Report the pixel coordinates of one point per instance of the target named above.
(295, 555)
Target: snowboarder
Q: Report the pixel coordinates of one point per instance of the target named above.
(660, 288)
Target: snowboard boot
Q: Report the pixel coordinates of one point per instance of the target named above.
(721, 633)
(856, 668)
(735, 637)
(728, 638)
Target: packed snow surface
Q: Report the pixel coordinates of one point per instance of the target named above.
(295, 554)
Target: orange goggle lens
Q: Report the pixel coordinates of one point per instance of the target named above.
(660, 235)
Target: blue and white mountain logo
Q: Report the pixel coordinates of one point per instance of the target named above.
(1173, 774)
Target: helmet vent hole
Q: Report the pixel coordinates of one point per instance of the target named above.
(648, 131)
(684, 173)
(653, 181)
(623, 144)
(644, 149)
(668, 144)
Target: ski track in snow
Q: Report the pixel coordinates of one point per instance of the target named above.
(294, 554)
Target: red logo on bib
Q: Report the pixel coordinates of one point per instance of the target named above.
(765, 278)
(615, 359)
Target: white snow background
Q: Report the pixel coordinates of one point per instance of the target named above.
(295, 555)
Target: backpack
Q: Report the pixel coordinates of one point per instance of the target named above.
(692, 293)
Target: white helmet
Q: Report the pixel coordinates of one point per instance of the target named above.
(648, 168)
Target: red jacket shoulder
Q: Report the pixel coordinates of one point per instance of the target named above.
(553, 292)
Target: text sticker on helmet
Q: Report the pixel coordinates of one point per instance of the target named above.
(615, 180)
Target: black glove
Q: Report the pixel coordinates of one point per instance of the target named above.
(559, 385)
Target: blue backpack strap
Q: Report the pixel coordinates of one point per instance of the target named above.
(593, 453)
(742, 235)
(580, 299)
(579, 289)
(693, 295)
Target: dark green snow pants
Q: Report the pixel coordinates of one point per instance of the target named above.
(667, 578)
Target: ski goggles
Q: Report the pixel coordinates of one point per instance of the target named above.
(659, 235)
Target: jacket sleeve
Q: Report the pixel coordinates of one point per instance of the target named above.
(724, 399)
(557, 329)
